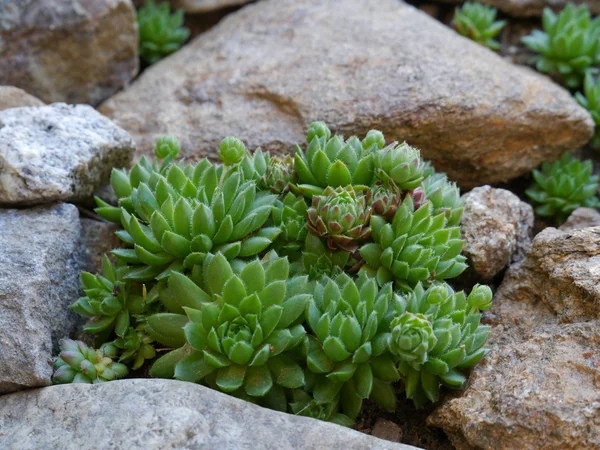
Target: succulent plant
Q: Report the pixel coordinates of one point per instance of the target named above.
(240, 323)
(563, 186)
(110, 300)
(400, 164)
(273, 173)
(478, 23)
(329, 161)
(342, 216)
(347, 349)
(444, 197)
(415, 247)
(303, 404)
(78, 363)
(289, 215)
(590, 100)
(384, 200)
(135, 347)
(569, 44)
(319, 260)
(436, 336)
(160, 32)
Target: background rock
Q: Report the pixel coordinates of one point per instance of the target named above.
(497, 228)
(57, 152)
(154, 414)
(533, 7)
(97, 238)
(540, 393)
(202, 6)
(581, 218)
(12, 97)
(39, 278)
(267, 71)
(76, 51)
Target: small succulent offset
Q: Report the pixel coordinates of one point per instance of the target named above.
(478, 22)
(563, 186)
(569, 44)
(590, 100)
(160, 32)
(304, 284)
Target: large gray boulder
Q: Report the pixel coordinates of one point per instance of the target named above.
(39, 278)
(159, 414)
(57, 152)
(265, 72)
(76, 51)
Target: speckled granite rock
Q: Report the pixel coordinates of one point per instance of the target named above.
(159, 414)
(57, 152)
(497, 229)
(581, 218)
(75, 51)
(12, 97)
(265, 72)
(39, 278)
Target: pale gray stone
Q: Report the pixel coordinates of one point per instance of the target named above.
(581, 218)
(12, 97)
(157, 414)
(57, 152)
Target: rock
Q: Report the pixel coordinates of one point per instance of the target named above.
(97, 239)
(202, 6)
(528, 8)
(77, 51)
(12, 97)
(39, 278)
(154, 414)
(581, 218)
(497, 228)
(388, 430)
(540, 393)
(57, 152)
(265, 72)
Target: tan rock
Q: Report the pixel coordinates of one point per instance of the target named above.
(542, 393)
(267, 71)
(581, 218)
(202, 6)
(388, 430)
(97, 239)
(497, 229)
(527, 8)
(12, 97)
(77, 51)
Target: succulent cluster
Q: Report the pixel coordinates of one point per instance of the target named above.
(303, 284)
(569, 44)
(160, 32)
(590, 100)
(478, 23)
(563, 186)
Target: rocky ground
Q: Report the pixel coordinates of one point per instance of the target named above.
(263, 72)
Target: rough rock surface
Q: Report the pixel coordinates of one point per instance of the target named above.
(267, 71)
(201, 6)
(157, 414)
(12, 97)
(57, 152)
(527, 8)
(39, 278)
(97, 238)
(543, 392)
(76, 51)
(497, 228)
(581, 218)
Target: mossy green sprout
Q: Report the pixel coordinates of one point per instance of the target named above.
(478, 23)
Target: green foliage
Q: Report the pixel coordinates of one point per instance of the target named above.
(590, 100)
(78, 363)
(160, 32)
(299, 284)
(478, 23)
(569, 44)
(563, 186)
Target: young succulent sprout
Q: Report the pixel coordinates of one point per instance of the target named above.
(289, 215)
(569, 44)
(400, 164)
(563, 186)
(478, 23)
(590, 100)
(160, 32)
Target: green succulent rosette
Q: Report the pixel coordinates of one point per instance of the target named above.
(303, 404)
(110, 300)
(590, 100)
(273, 173)
(320, 261)
(289, 215)
(78, 363)
(444, 197)
(563, 186)
(329, 161)
(415, 247)
(160, 32)
(478, 23)
(443, 328)
(134, 348)
(569, 44)
(347, 346)
(341, 216)
(384, 200)
(400, 164)
(239, 324)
